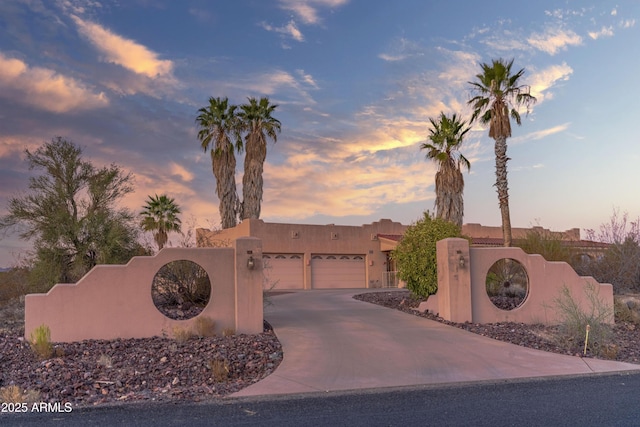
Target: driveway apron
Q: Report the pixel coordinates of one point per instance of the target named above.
(332, 342)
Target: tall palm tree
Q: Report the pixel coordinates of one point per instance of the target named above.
(218, 128)
(259, 125)
(446, 136)
(499, 94)
(160, 216)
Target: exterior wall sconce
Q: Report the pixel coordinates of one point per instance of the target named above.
(251, 263)
(461, 260)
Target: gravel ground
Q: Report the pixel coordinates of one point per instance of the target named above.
(625, 339)
(97, 372)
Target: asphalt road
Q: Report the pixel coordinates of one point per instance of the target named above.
(595, 400)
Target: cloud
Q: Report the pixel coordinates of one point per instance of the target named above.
(45, 89)
(290, 30)
(402, 49)
(307, 78)
(533, 136)
(543, 80)
(325, 185)
(307, 10)
(180, 171)
(604, 32)
(286, 85)
(124, 52)
(627, 23)
(554, 40)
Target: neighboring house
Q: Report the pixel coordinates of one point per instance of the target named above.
(305, 256)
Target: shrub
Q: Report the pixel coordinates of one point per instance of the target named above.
(415, 255)
(40, 341)
(105, 361)
(181, 335)
(179, 287)
(219, 369)
(549, 245)
(620, 262)
(14, 394)
(574, 321)
(204, 326)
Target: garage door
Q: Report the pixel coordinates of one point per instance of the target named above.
(337, 271)
(283, 271)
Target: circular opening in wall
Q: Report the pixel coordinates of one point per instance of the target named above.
(181, 289)
(507, 284)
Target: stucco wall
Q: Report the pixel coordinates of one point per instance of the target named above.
(309, 239)
(114, 301)
(462, 294)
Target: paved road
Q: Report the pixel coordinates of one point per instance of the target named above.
(332, 342)
(600, 400)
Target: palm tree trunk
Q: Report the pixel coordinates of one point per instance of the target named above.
(224, 169)
(502, 185)
(449, 193)
(252, 182)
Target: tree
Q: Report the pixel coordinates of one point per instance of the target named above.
(218, 128)
(498, 97)
(160, 216)
(70, 214)
(257, 122)
(415, 255)
(446, 136)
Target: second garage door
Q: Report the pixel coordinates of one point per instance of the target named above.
(337, 271)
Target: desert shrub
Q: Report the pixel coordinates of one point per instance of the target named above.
(179, 287)
(219, 369)
(620, 262)
(574, 320)
(40, 341)
(549, 245)
(182, 335)
(105, 361)
(14, 394)
(13, 284)
(415, 255)
(507, 283)
(204, 327)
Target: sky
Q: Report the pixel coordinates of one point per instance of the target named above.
(355, 81)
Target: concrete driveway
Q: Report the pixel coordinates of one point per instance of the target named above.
(332, 342)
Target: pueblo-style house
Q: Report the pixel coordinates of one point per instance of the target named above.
(306, 256)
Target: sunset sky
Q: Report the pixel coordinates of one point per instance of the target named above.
(356, 82)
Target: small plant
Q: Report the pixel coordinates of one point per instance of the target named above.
(219, 369)
(14, 394)
(204, 326)
(182, 335)
(228, 332)
(40, 341)
(574, 320)
(105, 361)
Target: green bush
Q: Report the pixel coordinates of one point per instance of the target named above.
(415, 255)
(41, 342)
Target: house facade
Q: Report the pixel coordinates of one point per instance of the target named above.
(307, 256)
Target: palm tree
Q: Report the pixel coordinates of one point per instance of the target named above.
(257, 121)
(446, 135)
(160, 216)
(218, 126)
(498, 96)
